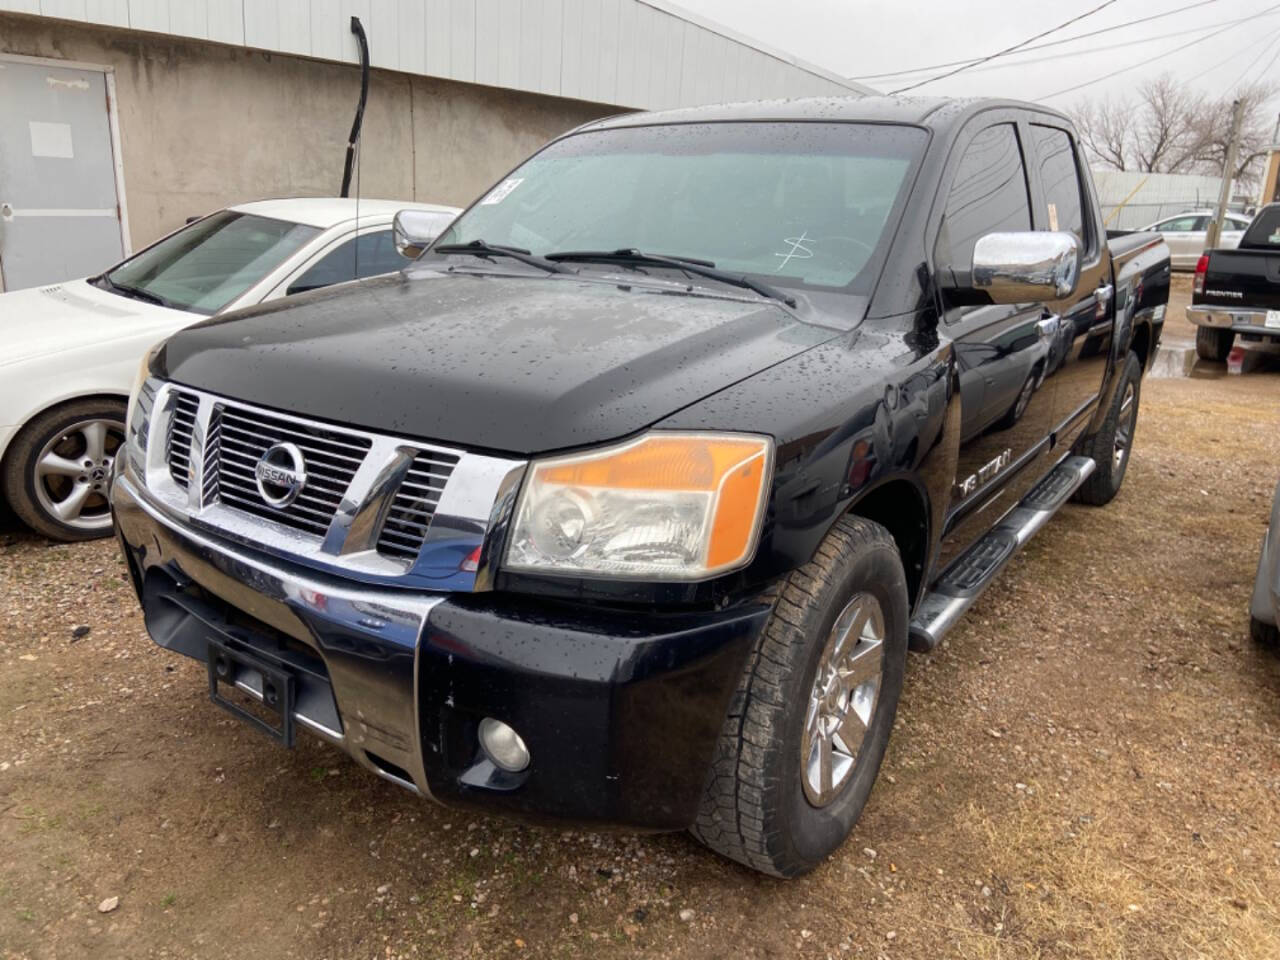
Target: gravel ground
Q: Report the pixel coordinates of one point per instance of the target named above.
(1088, 767)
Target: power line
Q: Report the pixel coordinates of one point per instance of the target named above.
(1251, 65)
(1001, 53)
(1134, 66)
(1039, 46)
(1267, 69)
(1006, 65)
(1235, 54)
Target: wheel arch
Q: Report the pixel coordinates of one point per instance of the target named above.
(49, 407)
(900, 504)
(1141, 342)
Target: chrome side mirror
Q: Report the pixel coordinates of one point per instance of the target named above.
(414, 230)
(1025, 266)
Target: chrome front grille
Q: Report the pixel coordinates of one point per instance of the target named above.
(365, 494)
(177, 445)
(243, 436)
(390, 509)
(414, 503)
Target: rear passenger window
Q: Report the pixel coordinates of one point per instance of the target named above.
(988, 195)
(1060, 178)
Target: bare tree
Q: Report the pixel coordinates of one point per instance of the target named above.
(1168, 127)
(1256, 132)
(1105, 131)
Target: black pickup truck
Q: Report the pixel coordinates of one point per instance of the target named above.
(1237, 292)
(623, 503)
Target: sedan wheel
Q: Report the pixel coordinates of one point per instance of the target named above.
(59, 467)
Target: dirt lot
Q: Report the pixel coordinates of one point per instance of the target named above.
(1089, 767)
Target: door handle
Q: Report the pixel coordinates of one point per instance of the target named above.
(1102, 298)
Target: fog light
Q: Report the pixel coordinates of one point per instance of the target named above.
(503, 745)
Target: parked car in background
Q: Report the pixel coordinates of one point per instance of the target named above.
(1185, 234)
(622, 504)
(69, 351)
(1264, 608)
(1235, 292)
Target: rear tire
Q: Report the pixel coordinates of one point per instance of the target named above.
(772, 802)
(1214, 343)
(1111, 447)
(57, 467)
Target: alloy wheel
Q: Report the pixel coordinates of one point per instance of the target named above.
(1124, 426)
(843, 699)
(72, 472)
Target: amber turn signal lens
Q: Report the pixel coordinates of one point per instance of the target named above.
(669, 506)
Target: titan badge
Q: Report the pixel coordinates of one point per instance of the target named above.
(985, 474)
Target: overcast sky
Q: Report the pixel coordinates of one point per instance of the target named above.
(859, 37)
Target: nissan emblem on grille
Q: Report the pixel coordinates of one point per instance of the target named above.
(281, 473)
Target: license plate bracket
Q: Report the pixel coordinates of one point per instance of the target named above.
(274, 690)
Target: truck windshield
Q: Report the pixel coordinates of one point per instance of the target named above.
(206, 265)
(799, 204)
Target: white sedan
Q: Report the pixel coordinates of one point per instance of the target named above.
(69, 352)
(1185, 234)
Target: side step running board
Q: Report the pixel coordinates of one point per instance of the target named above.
(971, 572)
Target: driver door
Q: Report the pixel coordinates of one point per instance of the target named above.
(1002, 350)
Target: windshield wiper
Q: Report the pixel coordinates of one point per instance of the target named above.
(703, 268)
(136, 293)
(481, 248)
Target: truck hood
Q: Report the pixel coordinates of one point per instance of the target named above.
(71, 315)
(511, 364)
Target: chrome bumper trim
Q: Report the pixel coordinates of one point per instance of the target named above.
(372, 721)
(1239, 319)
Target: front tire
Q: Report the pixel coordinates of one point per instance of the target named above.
(1111, 446)
(1214, 343)
(809, 723)
(57, 469)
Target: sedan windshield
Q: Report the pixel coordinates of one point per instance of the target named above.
(799, 204)
(205, 266)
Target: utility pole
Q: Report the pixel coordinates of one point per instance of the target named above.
(1228, 175)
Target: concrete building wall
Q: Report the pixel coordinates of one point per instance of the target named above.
(204, 125)
(646, 54)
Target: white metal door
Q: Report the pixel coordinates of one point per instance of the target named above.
(60, 214)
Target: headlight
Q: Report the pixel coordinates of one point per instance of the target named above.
(141, 400)
(139, 379)
(668, 506)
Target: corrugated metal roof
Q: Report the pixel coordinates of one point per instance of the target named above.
(633, 53)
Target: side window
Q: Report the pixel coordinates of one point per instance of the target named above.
(365, 256)
(1181, 225)
(1060, 179)
(988, 195)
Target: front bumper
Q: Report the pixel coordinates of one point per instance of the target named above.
(620, 710)
(1247, 320)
